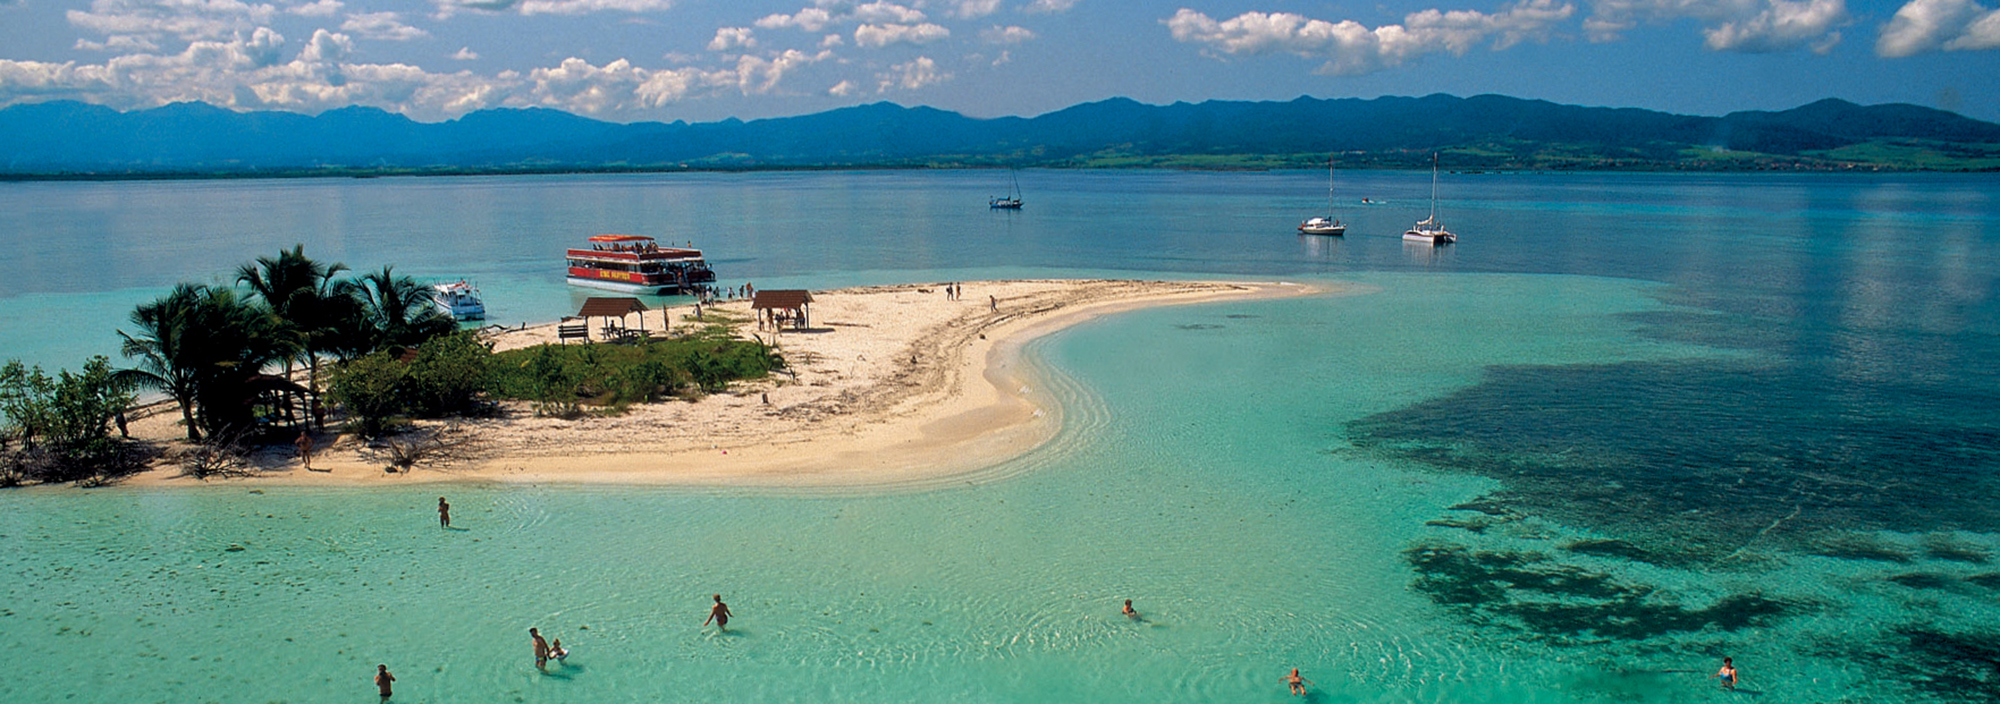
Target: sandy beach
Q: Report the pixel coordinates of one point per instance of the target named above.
(889, 385)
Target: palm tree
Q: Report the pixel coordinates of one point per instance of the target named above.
(200, 345)
(400, 310)
(304, 295)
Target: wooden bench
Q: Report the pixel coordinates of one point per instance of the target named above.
(572, 331)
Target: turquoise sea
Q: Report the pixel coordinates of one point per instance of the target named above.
(1629, 425)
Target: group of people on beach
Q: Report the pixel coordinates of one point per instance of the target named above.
(953, 291)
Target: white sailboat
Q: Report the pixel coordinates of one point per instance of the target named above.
(1327, 225)
(1429, 229)
(1008, 202)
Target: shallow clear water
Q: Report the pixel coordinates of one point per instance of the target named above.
(1629, 425)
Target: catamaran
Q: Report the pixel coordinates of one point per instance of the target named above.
(1327, 225)
(637, 264)
(1429, 229)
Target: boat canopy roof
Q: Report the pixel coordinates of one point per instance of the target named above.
(620, 238)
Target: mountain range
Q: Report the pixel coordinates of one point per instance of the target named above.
(76, 140)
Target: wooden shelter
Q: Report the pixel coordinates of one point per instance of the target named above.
(615, 311)
(275, 400)
(783, 305)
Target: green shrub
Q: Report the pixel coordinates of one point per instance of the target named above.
(369, 389)
(447, 377)
(63, 423)
(560, 377)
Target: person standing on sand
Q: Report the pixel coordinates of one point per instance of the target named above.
(1297, 682)
(444, 513)
(305, 445)
(993, 304)
(1727, 674)
(382, 680)
(541, 650)
(719, 614)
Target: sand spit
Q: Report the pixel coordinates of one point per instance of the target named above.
(890, 385)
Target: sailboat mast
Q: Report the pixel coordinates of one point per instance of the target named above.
(1434, 188)
(1329, 186)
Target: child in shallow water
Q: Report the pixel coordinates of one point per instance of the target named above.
(557, 651)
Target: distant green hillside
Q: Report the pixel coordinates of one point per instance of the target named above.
(1487, 132)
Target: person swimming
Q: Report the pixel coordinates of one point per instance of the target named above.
(557, 651)
(1130, 612)
(1727, 674)
(1297, 682)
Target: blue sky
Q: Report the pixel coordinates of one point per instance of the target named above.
(697, 60)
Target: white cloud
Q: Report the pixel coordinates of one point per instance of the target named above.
(576, 85)
(326, 47)
(1983, 34)
(834, 13)
(1729, 25)
(886, 12)
(1049, 7)
(842, 89)
(242, 73)
(1004, 57)
(1005, 35)
(381, 26)
(187, 20)
(974, 9)
(319, 8)
(124, 43)
(1931, 25)
(728, 38)
(831, 40)
(465, 53)
(811, 19)
(30, 80)
(1351, 49)
(237, 74)
(758, 75)
(911, 75)
(880, 35)
(447, 8)
(1782, 26)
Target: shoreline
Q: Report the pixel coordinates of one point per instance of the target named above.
(892, 386)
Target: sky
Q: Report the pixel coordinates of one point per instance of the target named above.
(700, 60)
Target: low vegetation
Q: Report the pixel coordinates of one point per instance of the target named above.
(562, 379)
(458, 375)
(58, 429)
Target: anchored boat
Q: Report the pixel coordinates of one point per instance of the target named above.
(1328, 225)
(1429, 229)
(638, 264)
(459, 300)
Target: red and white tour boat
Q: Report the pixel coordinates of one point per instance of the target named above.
(637, 264)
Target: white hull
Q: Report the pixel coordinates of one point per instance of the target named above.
(619, 286)
(463, 312)
(460, 301)
(1430, 236)
(1323, 230)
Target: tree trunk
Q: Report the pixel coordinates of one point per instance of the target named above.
(187, 416)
